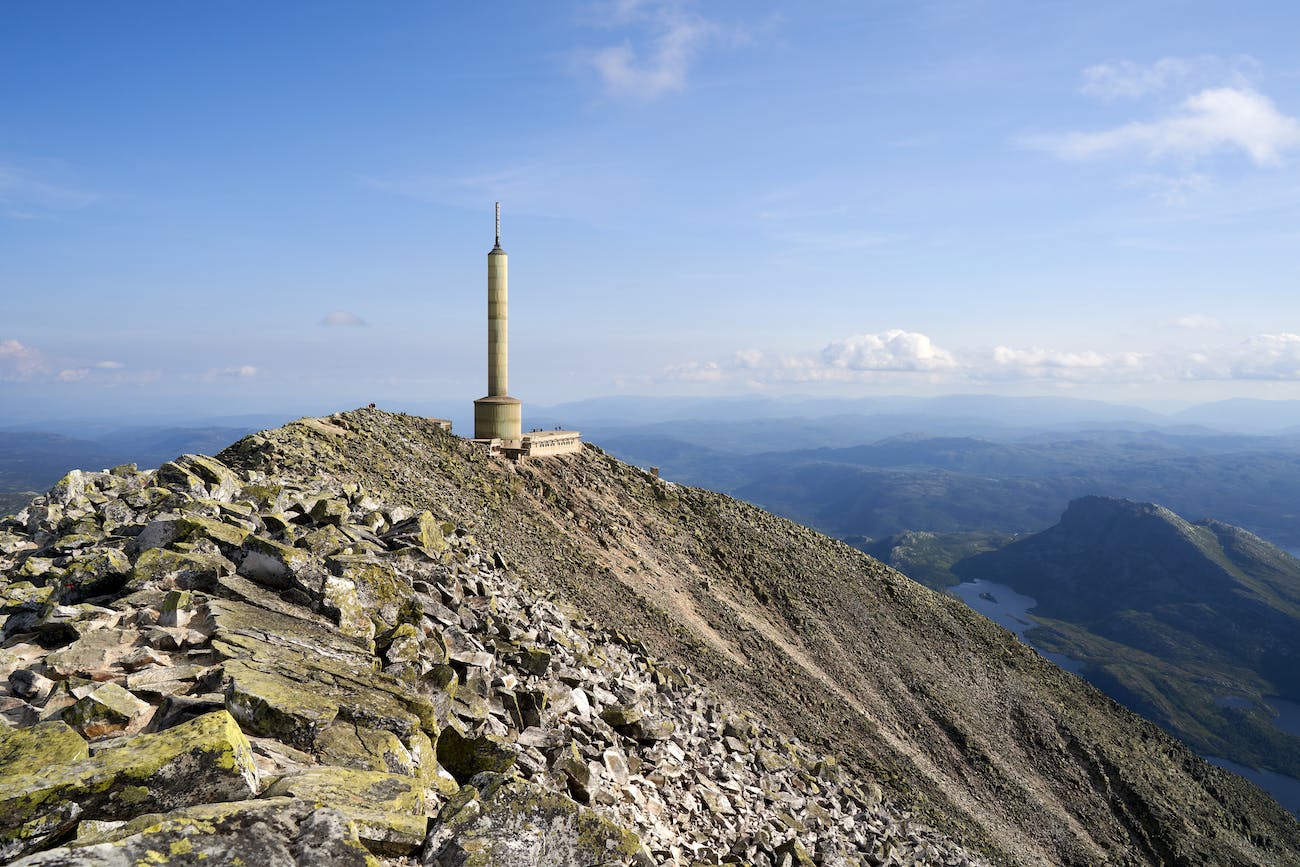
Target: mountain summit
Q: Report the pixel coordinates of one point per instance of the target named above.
(1194, 624)
(362, 637)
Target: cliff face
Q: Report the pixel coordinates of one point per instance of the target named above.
(383, 638)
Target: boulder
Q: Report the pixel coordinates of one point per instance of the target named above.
(388, 809)
(92, 655)
(205, 760)
(510, 822)
(272, 705)
(381, 590)
(276, 832)
(109, 709)
(272, 563)
(465, 757)
(162, 567)
(222, 483)
(352, 746)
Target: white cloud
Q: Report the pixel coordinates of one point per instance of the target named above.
(890, 350)
(1196, 321)
(243, 372)
(1263, 356)
(73, 374)
(1215, 119)
(1006, 362)
(109, 365)
(891, 355)
(1173, 189)
(671, 38)
(19, 362)
(342, 318)
(857, 358)
(1127, 79)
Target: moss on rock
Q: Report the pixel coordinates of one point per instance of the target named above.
(207, 759)
(499, 821)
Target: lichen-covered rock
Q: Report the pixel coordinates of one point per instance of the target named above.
(163, 567)
(382, 591)
(348, 745)
(102, 571)
(344, 604)
(221, 482)
(498, 821)
(194, 527)
(276, 832)
(465, 757)
(205, 760)
(272, 563)
(92, 655)
(272, 705)
(421, 531)
(388, 809)
(106, 710)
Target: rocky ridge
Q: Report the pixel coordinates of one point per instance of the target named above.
(205, 662)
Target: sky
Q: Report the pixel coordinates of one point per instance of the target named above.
(244, 206)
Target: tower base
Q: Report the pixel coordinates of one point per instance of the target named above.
(498, 417)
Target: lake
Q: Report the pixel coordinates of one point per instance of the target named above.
(1010, 610)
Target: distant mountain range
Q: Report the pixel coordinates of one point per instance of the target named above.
(32, 461)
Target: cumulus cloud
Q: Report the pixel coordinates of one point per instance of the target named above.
(659, 61)
(858, 357)
(1213, 120)
(898, 355)
(342, 318)
(242, 372)
(109, 365)
(890, 350)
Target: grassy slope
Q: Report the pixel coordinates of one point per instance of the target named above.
(952, 715)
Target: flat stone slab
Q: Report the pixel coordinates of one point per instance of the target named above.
(276, 832)
(205, 760)
(387, 808)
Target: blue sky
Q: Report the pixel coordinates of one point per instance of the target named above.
(243, 207)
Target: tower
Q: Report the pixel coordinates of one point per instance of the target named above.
(497, 416)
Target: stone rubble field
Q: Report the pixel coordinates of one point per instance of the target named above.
(203, 666)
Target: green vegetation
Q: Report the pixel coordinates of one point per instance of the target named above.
(1191, 625)
(929, 557)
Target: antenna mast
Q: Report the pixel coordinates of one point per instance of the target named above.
(498, 224)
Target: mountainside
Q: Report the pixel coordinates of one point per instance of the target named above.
(750, 689)
(1192, 624)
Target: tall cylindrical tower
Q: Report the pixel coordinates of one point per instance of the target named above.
(498, 304)
(497, 416)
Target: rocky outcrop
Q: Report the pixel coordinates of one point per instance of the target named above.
(206, 663)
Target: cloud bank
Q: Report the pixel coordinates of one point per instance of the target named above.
(902, 356)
